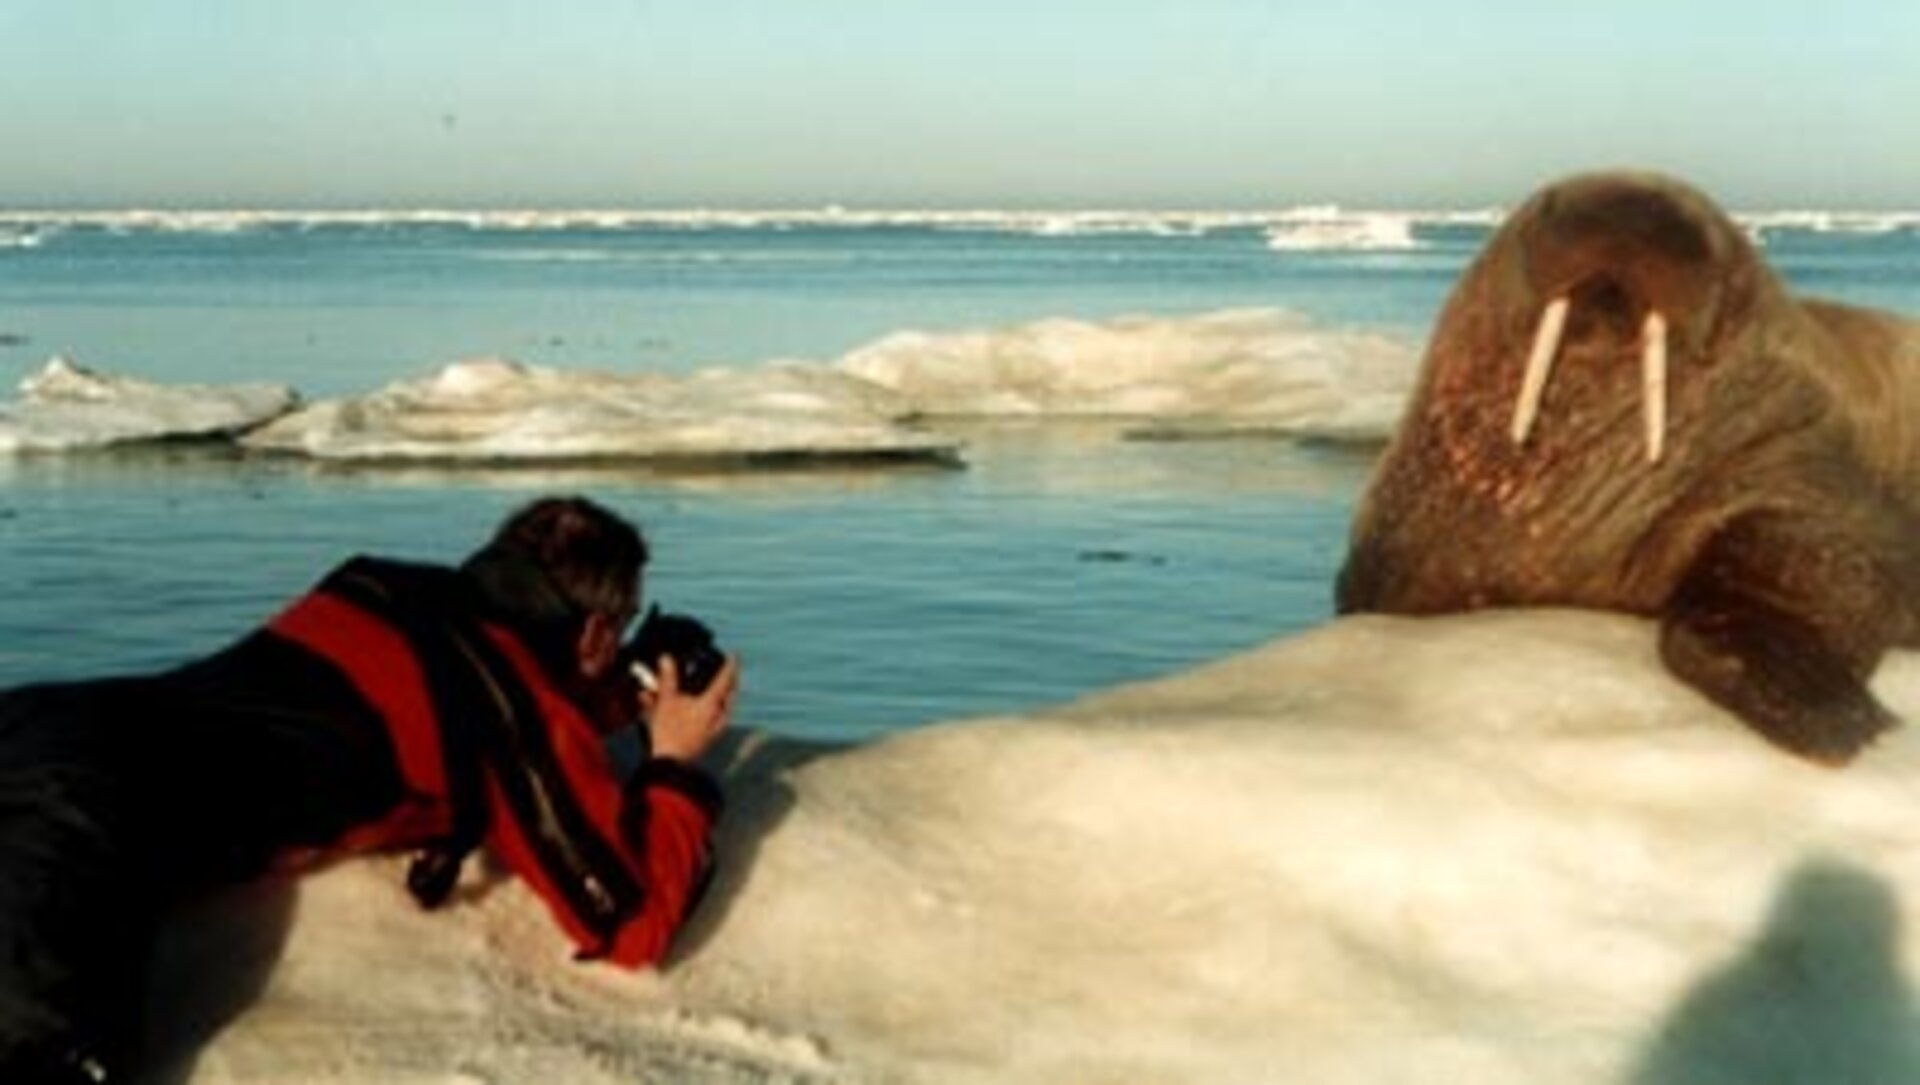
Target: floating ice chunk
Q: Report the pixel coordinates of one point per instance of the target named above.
(1761, 226)
(66, 406)
(1090, 222)
(1518, 852)
(1321, 229)
(1269, 368)
(493, 409)
(1231, 372)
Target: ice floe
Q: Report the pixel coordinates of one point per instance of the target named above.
(1504, 848)
(492, 409)
(1234, 372)
(1288, 230)
(1326, 229)
(65, 406)
(1271, 369)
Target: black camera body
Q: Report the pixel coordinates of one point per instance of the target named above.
(696, 656)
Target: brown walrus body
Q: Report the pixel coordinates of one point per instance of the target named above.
(1623, 408)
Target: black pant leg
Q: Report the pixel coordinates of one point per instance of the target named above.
(77, 919)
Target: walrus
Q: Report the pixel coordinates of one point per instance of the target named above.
(1622, 407)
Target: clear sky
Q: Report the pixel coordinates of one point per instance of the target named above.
(1001, 103)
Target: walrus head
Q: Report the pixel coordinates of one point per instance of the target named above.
(1621, 268)
(1558, 422)
(1622, 407)
(1618, 263)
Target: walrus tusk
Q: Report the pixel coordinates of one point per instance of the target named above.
(1653, 382)
(1546, 343)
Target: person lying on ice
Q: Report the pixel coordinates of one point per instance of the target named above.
(395, 706)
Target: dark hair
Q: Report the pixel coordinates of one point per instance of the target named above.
(553, 562)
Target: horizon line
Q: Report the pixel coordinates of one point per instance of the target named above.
(827, 212)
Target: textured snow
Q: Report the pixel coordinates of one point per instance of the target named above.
(1235, 369)
(1499, 848)
(66, 406)
(1261, 372)
(494, 409)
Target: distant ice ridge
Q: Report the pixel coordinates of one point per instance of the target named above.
(66, 406)
(1759, 225)
(1046, 223)
(1307, 228)
(1504, 848)
(1322, 228)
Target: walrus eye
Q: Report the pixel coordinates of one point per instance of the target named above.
(1546, 343)
(1653, 382)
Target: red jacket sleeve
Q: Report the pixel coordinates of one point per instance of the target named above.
(651, 833)
(668, 824)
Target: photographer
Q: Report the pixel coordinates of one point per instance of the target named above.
(395, 706)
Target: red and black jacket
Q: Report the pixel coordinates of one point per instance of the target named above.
(490, 750)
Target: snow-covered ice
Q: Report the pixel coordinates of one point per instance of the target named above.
(1500, 848)
(1266, 372)
(494, 409)
(1238, 368)
(1239, 371)
(65, 406)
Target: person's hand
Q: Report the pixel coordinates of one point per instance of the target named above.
(683, 725)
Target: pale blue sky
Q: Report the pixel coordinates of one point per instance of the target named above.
(1003, 103)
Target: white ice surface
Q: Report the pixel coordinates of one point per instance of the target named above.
(1504, 849)
(492, 409)
(1331, 229)
(981, 220)
(65, 406)
(1256, 370)
(1272, 368)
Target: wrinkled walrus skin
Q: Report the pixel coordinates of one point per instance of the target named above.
(1766, 509)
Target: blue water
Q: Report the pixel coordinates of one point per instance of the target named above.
(341, 308)
(1062, 560)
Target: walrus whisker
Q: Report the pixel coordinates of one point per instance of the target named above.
(1546, 343)
(1653, 380)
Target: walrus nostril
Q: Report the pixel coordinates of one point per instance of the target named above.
(1606, 311)
(1604, 296)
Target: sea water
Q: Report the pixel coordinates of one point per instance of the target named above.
(1061, 559)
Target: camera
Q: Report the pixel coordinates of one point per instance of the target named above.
(695, 654)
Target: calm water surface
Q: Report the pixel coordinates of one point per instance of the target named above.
(1060, 562)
